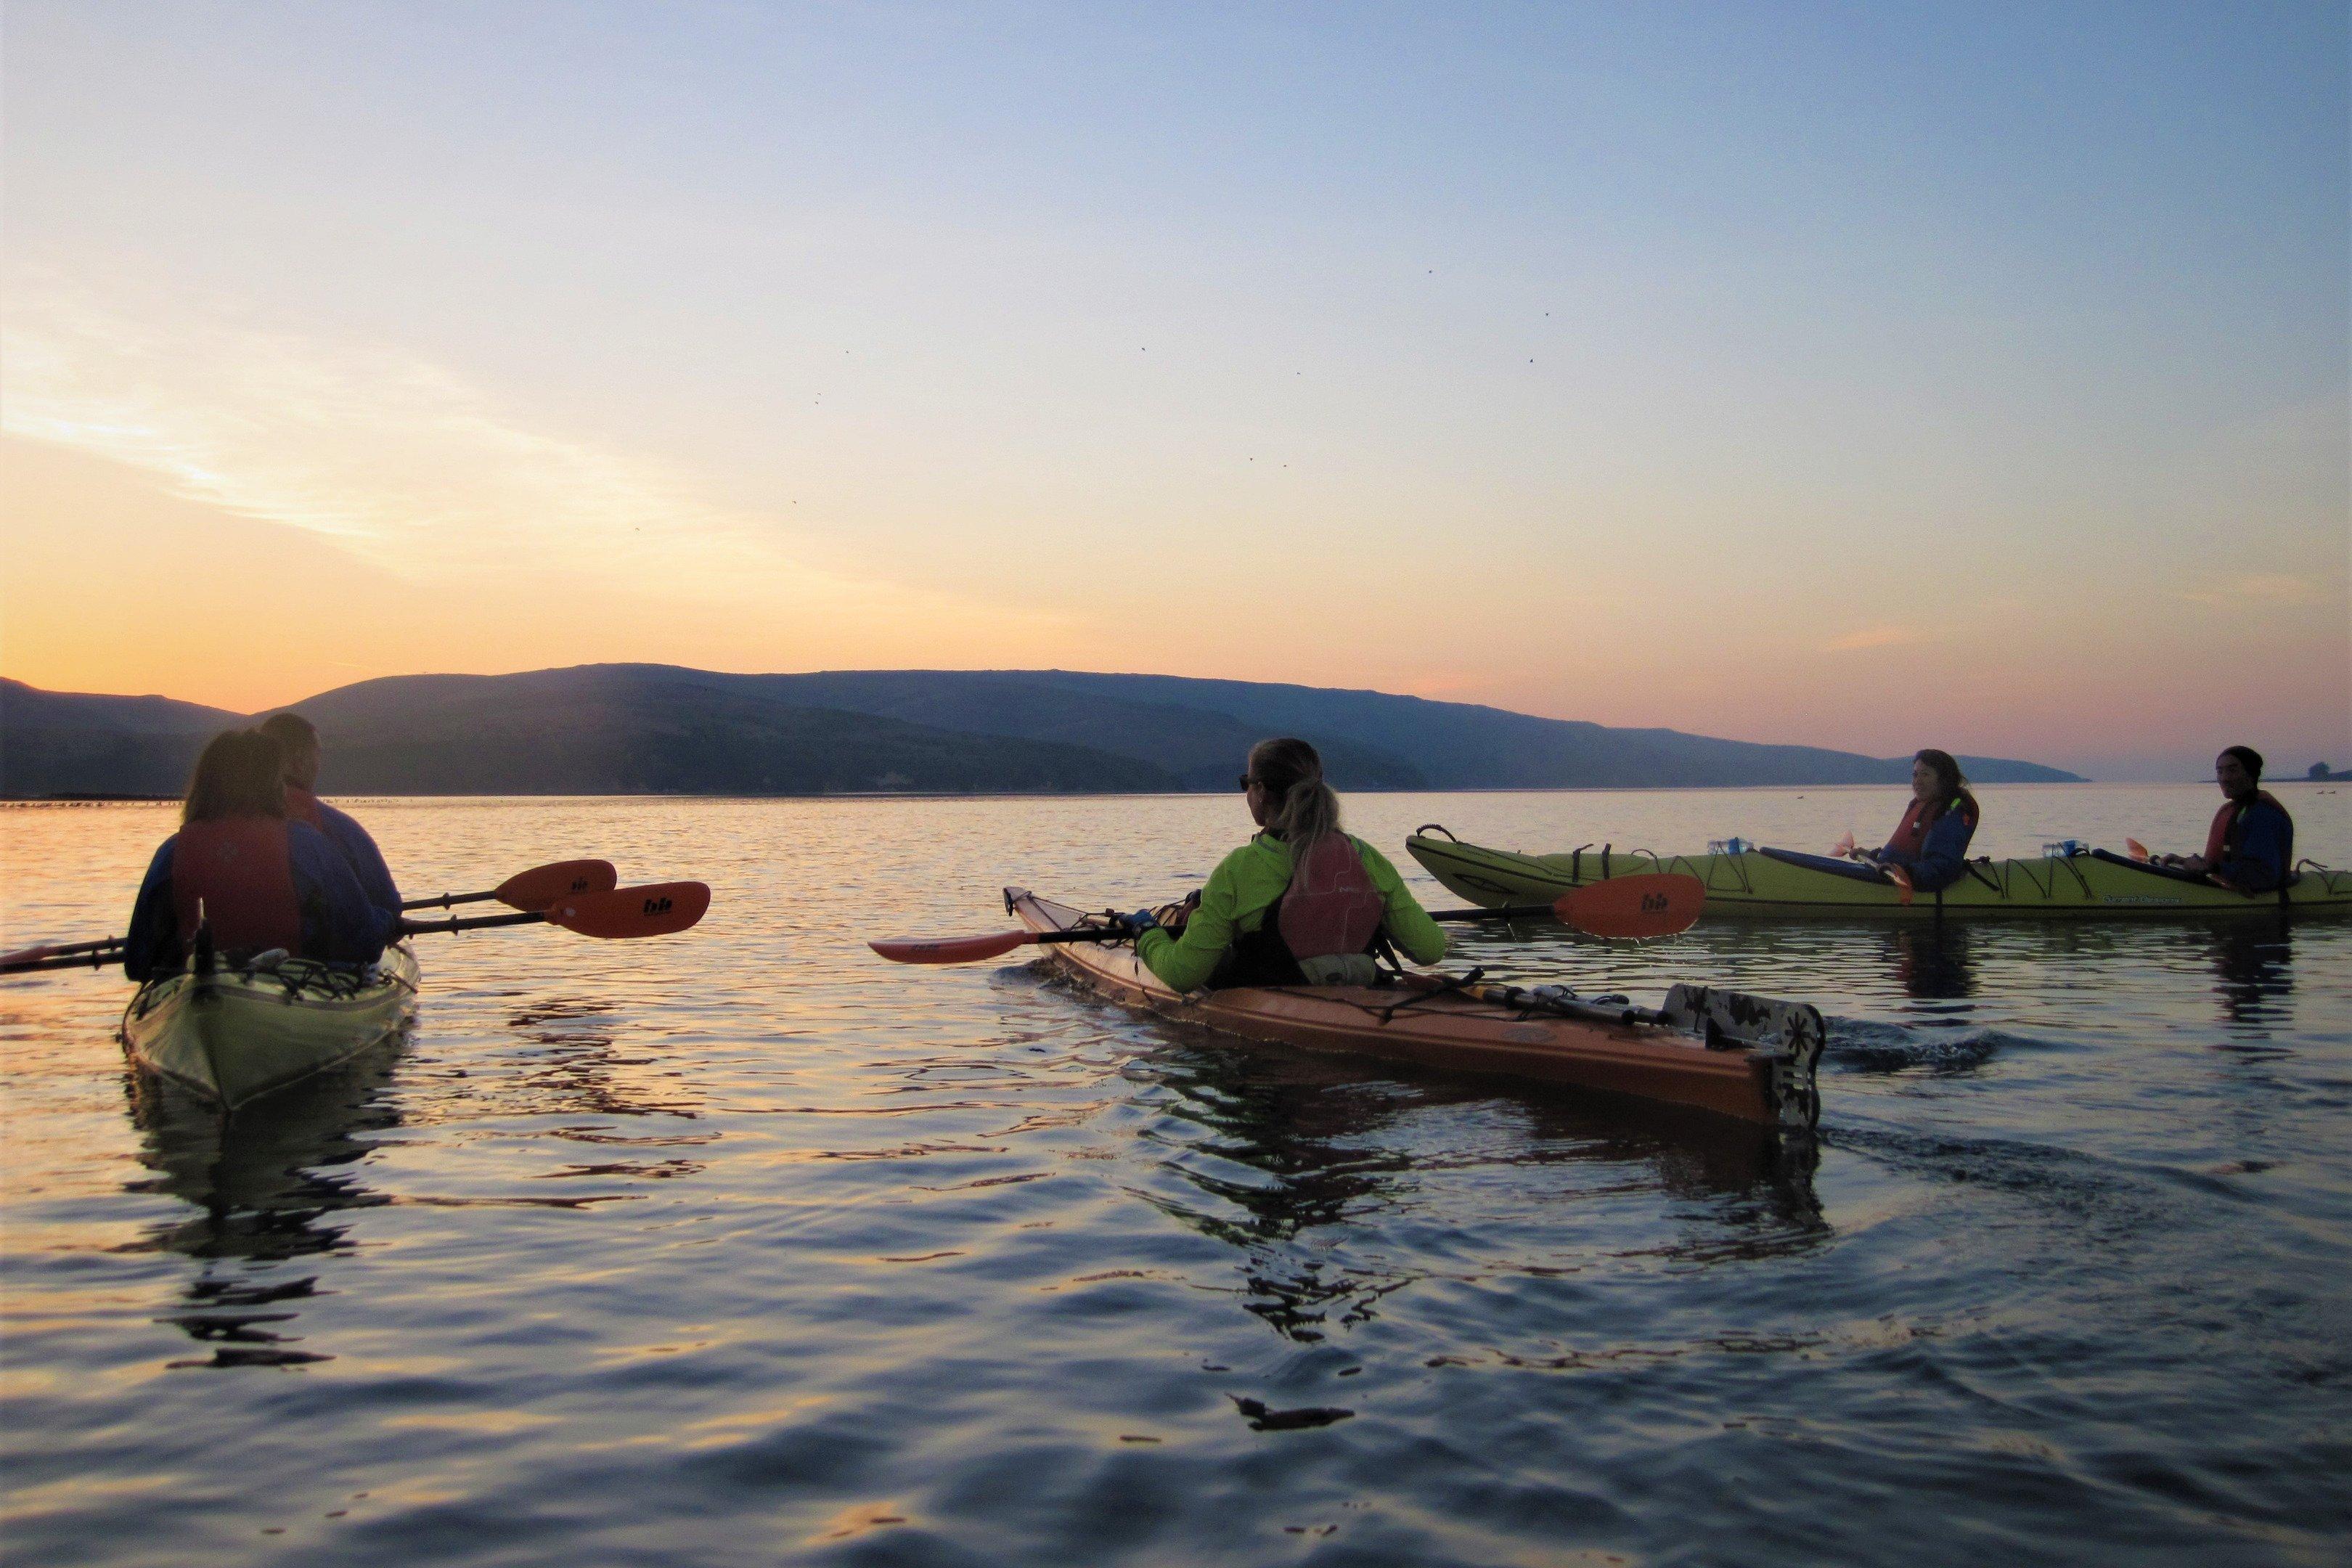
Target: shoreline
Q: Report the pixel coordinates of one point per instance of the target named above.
(20, 801)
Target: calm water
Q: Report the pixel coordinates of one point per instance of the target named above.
(745, 1247)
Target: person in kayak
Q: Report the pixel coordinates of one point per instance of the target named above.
(1930, 846)
(299, 741)
(259, 880)
(1301, 903)
(2251, 845)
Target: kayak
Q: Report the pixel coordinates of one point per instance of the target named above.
(236, 1034)
(1783, 884)
(1735, 1056)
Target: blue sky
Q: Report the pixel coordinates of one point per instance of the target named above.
(1869, 376)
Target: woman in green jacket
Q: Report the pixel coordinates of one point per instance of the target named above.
(1300, 904)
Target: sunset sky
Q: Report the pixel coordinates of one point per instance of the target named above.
(1867, 377)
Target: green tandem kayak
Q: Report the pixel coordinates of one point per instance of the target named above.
(233, 1034)
(1779, 884)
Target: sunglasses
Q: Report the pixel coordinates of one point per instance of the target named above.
(1246, 781)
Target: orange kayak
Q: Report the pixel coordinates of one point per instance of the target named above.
(1735, 1056)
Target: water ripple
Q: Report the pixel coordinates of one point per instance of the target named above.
(748, 1247)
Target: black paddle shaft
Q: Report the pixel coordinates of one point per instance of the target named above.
(99, 958)
(1084, 933)
(1504, 912)
(105, 941)
(478, 922)
(446, 899)
(1507, 912)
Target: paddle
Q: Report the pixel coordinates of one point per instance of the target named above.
(49, 950)
(2138, 850)
(657, 909)
(1650, 905)
(973, 949)
(535, 888)
(1844, 850)
(90, 956)
(1643, 906)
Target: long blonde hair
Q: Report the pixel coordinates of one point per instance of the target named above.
(1291, 773)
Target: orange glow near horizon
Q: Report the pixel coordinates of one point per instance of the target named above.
(146, 592)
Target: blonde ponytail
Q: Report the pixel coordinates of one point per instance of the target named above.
(1305, 809)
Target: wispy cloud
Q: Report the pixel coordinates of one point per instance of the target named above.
(396, 459)
(1874, 636)
(2263, 588)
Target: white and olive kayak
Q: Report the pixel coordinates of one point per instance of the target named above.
(236, 1034)
(1783, 884)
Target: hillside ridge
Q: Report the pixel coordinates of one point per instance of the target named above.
(654, 728)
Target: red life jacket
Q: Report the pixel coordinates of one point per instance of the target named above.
(1330, 906)
(301, 805)
(2222, 836)
(239, 869)
(1911, 836)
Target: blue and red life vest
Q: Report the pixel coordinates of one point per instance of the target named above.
(2221, 839)
(1911, 835)
(237, 874)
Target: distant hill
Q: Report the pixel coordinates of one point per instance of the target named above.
(1182, 746)
(73, 742)
(615, 729)
(1442, 745)
(599, 730)
(29, 708)
(648, 730)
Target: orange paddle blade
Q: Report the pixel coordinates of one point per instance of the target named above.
(1843, 846)
(2138, 850)
(657, 909)
(950, 949)
(1634, 906)
(542, 885)
(1902, 881)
